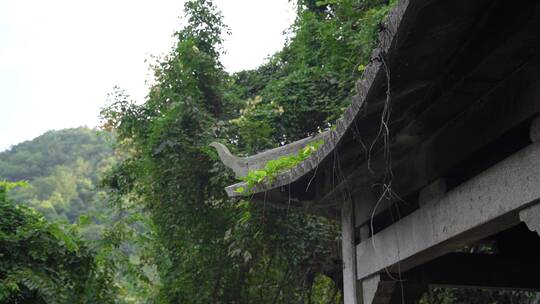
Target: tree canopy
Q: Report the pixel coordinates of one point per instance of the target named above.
(63, 170)
(42, 262)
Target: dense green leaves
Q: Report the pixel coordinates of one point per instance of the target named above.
(170, 166)
(313, 78)
(207, 248)
(42, 262)
(65, 188)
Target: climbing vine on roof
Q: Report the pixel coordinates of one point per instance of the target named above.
(274, 167)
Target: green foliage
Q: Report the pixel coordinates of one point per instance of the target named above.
(169, 162)
(173, 235)
(325, 291)
(62, 169)
(41, 262)
(313, 78)
(66, 189)
(207, 248)
(276, 166)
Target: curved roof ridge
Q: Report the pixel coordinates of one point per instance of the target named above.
(373, 70)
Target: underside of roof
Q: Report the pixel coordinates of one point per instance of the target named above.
(437, 63)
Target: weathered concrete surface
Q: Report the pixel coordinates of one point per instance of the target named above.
(467, 213)
(432, 192)
(348, 254)
(369, 288)
(531, 217)
(242, 165)
(376, 290)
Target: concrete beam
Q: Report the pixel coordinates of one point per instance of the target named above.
(432, 192)
(484, 205)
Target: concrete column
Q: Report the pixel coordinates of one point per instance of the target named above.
(349, 253)
(368, 289)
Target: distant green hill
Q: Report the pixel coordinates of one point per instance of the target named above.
(40, 156)
(63, 169)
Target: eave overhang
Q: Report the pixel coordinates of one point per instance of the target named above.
(435, 61)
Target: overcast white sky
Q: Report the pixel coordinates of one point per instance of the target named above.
(60, 58)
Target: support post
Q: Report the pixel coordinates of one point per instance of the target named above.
(373, 289)
(348, 253)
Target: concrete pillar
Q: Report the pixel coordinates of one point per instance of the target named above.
(348, 253)
(369, 290)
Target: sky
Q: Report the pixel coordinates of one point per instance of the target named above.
(60, 58)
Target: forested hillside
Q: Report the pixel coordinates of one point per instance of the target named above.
(62, 169)
(71, 244)
(45, 251)
(41, 156)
